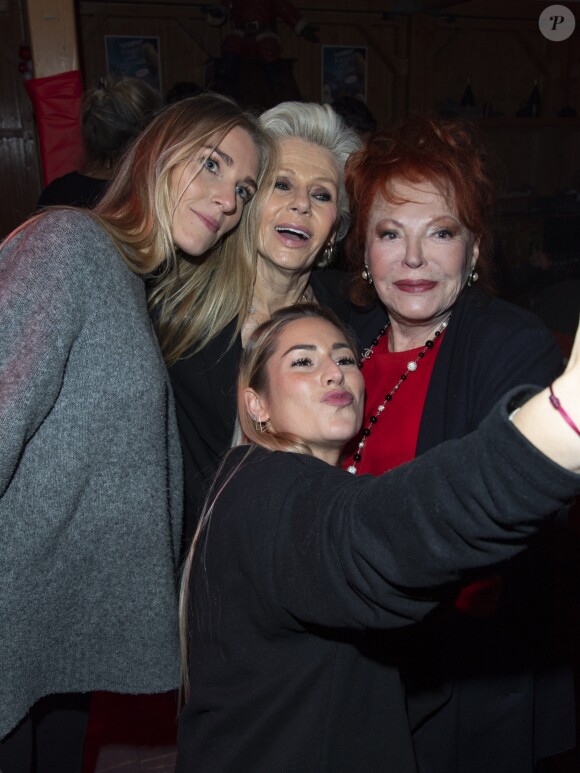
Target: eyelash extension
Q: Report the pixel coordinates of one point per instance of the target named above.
(302, 361)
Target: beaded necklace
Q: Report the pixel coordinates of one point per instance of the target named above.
(412, 365)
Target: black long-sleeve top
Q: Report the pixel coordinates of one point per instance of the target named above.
(302, 576)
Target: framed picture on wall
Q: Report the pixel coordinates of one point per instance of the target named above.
(344, 72)
(134, 56)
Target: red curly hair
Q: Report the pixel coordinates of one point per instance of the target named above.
(446, 152)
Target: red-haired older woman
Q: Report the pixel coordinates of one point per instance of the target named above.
(483, 694)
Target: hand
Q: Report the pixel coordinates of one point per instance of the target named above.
(310, 32)
(574, 361)
(547, 428)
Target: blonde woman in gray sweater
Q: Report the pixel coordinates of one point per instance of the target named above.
(90, 465)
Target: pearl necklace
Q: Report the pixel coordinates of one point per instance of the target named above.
(412, 366)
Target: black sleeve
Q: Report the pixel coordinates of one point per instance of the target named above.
(371, 552)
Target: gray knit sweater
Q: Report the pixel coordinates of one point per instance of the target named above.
(90, 473)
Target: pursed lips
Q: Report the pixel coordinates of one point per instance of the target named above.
(340, 397)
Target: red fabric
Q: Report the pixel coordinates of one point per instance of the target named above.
(57, 107)
(393, 439)
(480, 598)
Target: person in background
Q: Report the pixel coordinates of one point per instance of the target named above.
(422, 200)
(356, 115)
(300, 574)
(90, 460)
(112, 115)
(304, 212)
(181, 90)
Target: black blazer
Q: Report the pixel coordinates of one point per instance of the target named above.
(458, 700)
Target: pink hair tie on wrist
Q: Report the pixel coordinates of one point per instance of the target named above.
(558, 406)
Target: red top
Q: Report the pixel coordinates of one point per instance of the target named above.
(393, 439)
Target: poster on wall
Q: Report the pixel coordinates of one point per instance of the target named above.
(344, 72)
(134, 56)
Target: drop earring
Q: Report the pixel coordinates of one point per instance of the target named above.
(366, 275)
(473, 277)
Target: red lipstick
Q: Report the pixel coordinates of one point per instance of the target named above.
(411, 286)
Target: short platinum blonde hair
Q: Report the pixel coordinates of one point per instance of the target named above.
(320, 125)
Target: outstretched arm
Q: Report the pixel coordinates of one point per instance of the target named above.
(552, 422)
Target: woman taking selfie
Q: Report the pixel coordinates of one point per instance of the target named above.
(421, 244)
(299, 572)
(90, 465)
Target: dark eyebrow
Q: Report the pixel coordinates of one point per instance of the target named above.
(312, 347)
(250, 181)
(229, 161)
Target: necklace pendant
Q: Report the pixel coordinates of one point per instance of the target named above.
(351, 469)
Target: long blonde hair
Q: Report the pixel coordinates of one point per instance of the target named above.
(253, 374)
(194, 306)
(191, 300)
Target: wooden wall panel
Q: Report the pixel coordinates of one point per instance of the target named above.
(503, 57)
(189, 45)
(414, 59)
(545, 158)
(19, 164)
(385, 43)
(187, 42)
